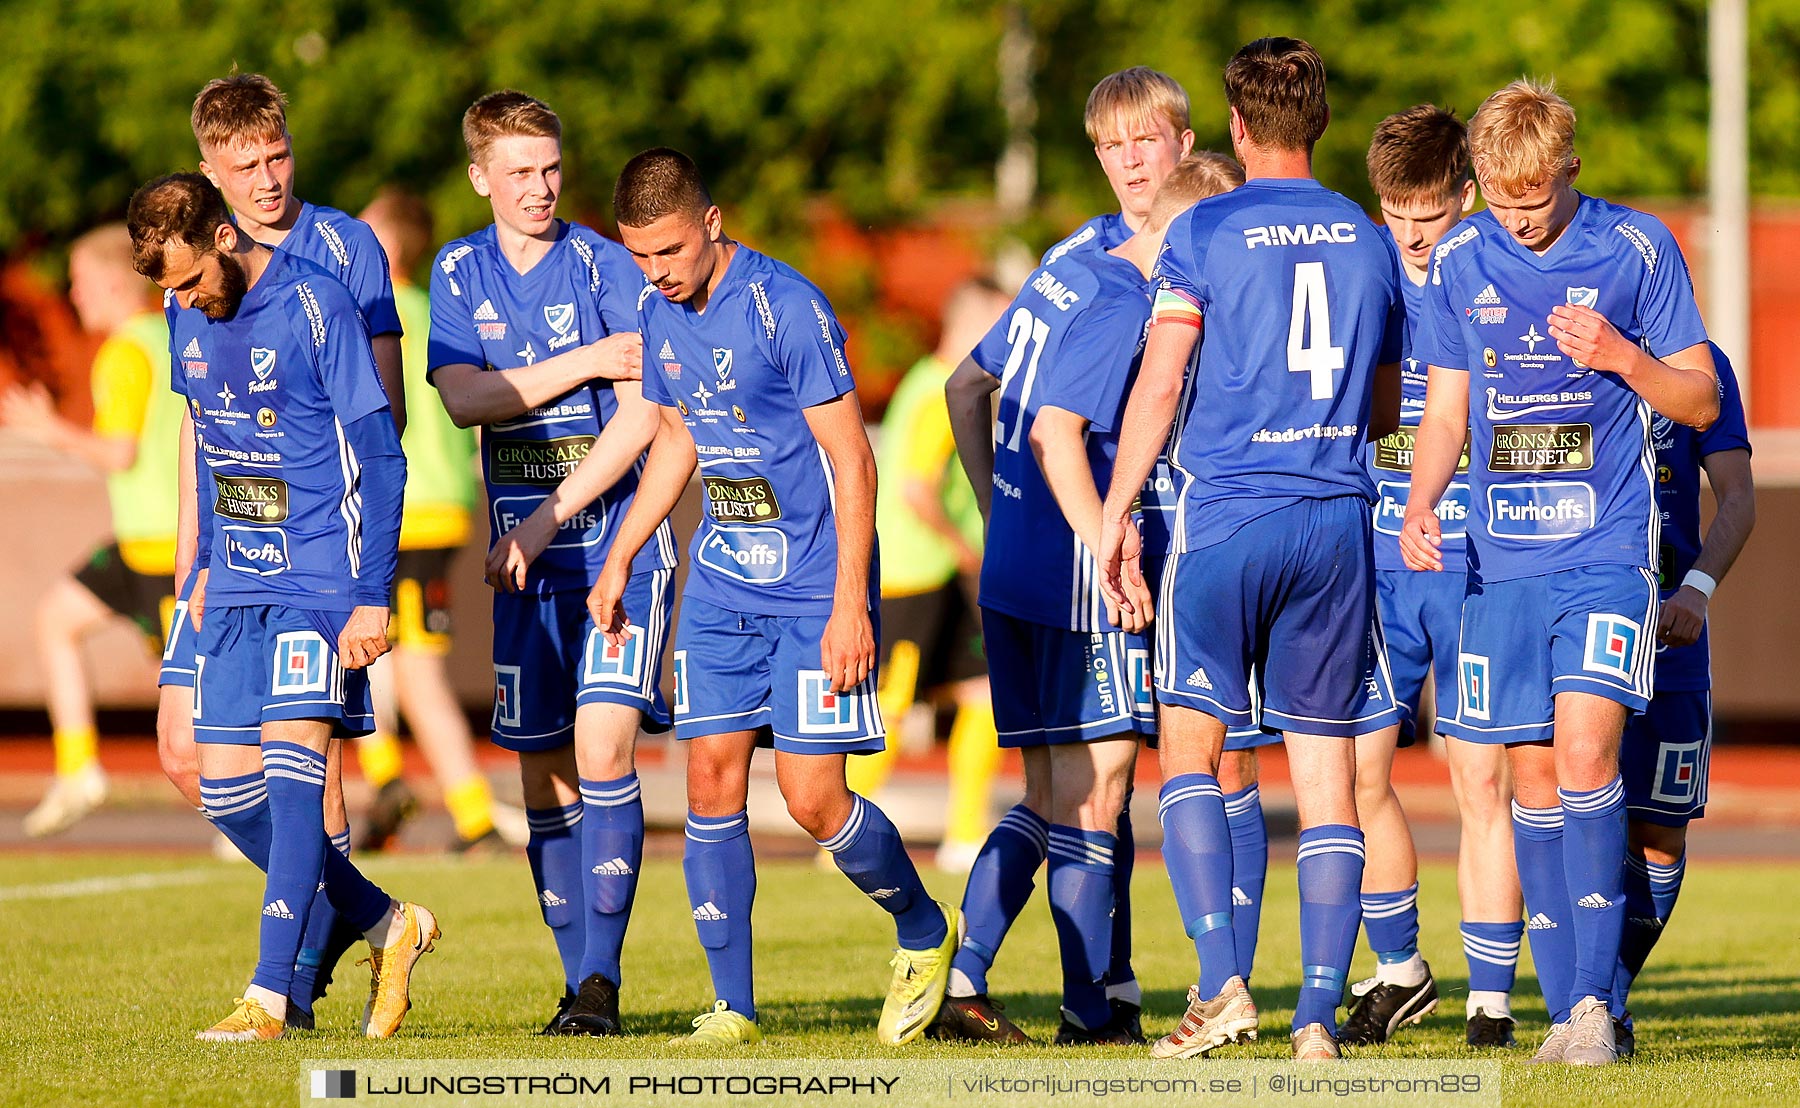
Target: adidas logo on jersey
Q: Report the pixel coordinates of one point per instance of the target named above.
(1488, 296)
(486, 313)
(1239, 898)
(1594, 900)
(550, 900)
(618, 867)
(1199, 680)
(192, 349)
(883, 894)
(709, 911)
(667, 353)
(1540, 922)
(278, 909)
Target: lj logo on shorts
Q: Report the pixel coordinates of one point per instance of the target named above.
(1612, 645)
(824, 712)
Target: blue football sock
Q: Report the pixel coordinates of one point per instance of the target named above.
(1118, 964)
(1538, 846)
(1492, 950)
(321, 920)
(1330, 861)
(554, 851)
(1249, 871)
(867, 848)
(239, 808)
(1081, 904)
(1392, 921)
(1197, 853)
(1650, 894)
(297, 848)
(721, 887)
(1594, 862)
(999, 884)
(612, 852)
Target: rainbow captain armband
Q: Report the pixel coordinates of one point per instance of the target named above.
(1172, 307)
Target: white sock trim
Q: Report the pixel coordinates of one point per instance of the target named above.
(1496, 1004)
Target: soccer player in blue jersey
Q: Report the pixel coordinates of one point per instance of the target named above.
(1071, 675)
(1666, 751)
(1271, 565)
(1559, 622)
(533, 323)
(298, 525)
(1137, 120)
(747, 361)
(1419, 167)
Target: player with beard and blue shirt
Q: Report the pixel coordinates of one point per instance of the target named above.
(1419, 167)
(524, 315)
(776, 635)
(1666, 751)
(1558, 631)
(298, 529)
(1071, 680)
(1303, 326)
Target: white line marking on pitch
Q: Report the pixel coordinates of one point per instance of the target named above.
(100, 886)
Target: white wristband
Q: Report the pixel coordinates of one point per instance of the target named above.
(1700, 582)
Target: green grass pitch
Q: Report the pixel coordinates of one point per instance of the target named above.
(101, 991)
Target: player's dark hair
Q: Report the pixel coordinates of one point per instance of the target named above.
(182, 207)
(1277, 86)
(244, 107)
(654, 184)
(1420, 154)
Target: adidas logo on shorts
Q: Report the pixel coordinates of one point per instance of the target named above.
(278, 909)
(1199, 680)
(618, 867)
(1540, 922)
(192, 349)
(1240, 899)
(709, 911)
(550, 900)
(1488, 296)
(1594, 900)
(667, 353)
(486, 313)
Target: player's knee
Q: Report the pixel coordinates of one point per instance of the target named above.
(176, 754)
(1659, 844)
(1483, 793)
(819, 815)
(1373, 794)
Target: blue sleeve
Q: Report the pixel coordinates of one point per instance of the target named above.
(1439, 341)
(177, 378)
(991, 352)
(380, 480)
(657, 389)
(203, 508)
(1730, 432)
(1393, 336)
(1180, 268)
(366, 276)
(809, 346)
(340, 352)
(1665, 305)
(620, 283)
(452, 340)
(1089, 369)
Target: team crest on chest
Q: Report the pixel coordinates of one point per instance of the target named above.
(1580, 297)
(262, 362)
(722, 366)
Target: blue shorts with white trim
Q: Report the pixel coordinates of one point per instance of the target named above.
(271, 662)
(1053, 686)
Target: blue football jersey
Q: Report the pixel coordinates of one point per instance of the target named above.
(1679, 452)
(1562, 468)
(1390, 458)
(485, 313)
(346, 248)
(1072, 339)
(1101, 233)
(1300, 300)
(271, 390)
(742, 373)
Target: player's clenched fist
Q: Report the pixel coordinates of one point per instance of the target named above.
(1421, 536)
(364, 637)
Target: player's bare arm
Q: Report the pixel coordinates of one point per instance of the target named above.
(1384, 410)
(1728, 472)
(667, 469)
(1058, 440)
(1149, 414)
(386, 349)
(622, 441)
(1443, 430)
(847, 649)
(1683, 386)
(969, 393)
(475, 396)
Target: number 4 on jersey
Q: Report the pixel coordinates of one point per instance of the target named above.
(1312, 320)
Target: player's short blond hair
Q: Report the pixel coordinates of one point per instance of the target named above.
(505, 114)
(1420, 155)
(244, 107)
(1201, 174)
(1137, 95)
(108, 245)
(1522, 136)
